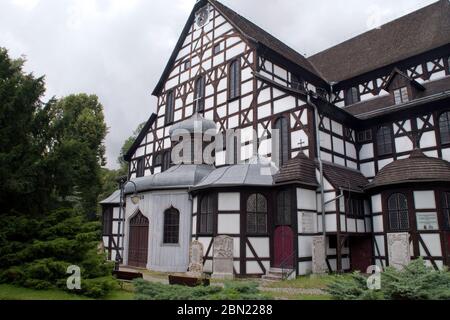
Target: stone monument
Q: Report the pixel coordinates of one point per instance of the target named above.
(223, 258)
(195, 259)
(398, 250)
(319, 263)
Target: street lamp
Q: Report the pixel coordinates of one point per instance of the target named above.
(123, 181)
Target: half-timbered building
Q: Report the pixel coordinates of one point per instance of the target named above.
(362, 131)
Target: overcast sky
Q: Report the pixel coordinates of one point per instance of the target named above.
(117, 49)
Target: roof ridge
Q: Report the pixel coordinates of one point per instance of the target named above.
(378, 28)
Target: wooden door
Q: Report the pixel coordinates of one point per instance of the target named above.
(284, 247)
(361, 253)
(138, 244)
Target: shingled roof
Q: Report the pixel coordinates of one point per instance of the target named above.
(302, 170)
(417, 168)
(344, 178)
(299, 169)
(410, 35)
(255, 33)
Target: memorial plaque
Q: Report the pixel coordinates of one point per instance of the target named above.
(223, 258)
(398, 250)
(308, 222)
(196, 258)
(427, 221)
(319, 264)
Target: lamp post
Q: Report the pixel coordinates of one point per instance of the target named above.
(123, 181)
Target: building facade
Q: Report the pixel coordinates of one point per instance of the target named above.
(363, 136)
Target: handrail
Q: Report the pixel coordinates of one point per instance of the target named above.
(288, 262)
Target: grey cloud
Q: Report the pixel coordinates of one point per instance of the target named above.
(118, 49)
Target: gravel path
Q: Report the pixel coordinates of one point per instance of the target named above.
(294, 291)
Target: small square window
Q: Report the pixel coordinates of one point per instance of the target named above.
(187, 64)
(217, 48)
(401, 95)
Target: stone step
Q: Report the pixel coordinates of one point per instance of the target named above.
(276, 274)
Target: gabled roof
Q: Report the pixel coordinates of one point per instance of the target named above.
(142, 134)
(344, 178)
(418, 32)
(249, 30)
(396, 72)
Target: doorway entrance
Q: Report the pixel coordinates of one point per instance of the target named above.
(360, 253)
(284, 247)
(138, 244)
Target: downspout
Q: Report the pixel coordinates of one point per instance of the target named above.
(319, 159)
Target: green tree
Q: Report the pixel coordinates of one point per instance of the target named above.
(25, 138)
(78, 150)
(126, 146)
(109, 177)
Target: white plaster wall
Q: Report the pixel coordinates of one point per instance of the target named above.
(424, 200)
(306, 199)
(229, 201)
(228, 223)
(261, 247)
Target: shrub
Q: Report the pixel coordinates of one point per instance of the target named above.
(145, 290)
(415, 282)
(39, 258)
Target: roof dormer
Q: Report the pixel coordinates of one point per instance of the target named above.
(401, 87)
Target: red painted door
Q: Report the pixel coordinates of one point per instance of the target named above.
(138, 245)
(284, 247)
(360, 253)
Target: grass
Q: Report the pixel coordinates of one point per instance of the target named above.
(126, 292)
(306, 282)
(294, 296)
(9, 292)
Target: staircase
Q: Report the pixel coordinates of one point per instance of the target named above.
(279, 274)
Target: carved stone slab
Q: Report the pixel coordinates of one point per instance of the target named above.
(319, 264)
(398, 250)
(196, 258)
(223, 258)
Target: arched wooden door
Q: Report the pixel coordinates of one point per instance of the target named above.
(138, 244)
(283, 247)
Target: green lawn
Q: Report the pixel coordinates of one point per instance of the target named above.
(9, 292)
(306, 282)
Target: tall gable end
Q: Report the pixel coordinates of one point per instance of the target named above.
(208, 39)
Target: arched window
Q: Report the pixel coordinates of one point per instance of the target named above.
(444, 127)
(170, 106)
(207, 214)
(171, 226)
(257, 214)
(446, 208)
(283, 142)
(398, 212)
(384, 140)
(283, 216)
(199, 98)
(234, 79)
